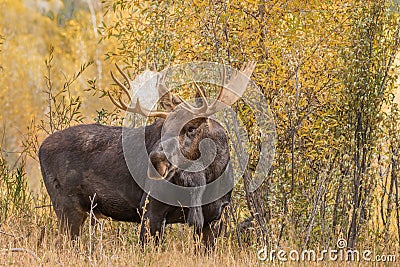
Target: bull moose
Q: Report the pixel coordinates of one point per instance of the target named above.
(91, 160)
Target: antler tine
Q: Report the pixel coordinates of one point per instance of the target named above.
(186, 106)
(223, 81)
(126, 90)
(233, 89)
(123, 75)
(119, 105)
(194, 110)
(172, 96)
(247, 69)
(138, 108)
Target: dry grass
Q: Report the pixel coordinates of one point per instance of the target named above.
(24, 243)
(29, 236)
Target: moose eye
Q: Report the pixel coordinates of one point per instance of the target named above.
(191, 130)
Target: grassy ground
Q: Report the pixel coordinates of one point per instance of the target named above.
(36, 241)
(29, 236)
(116, 244)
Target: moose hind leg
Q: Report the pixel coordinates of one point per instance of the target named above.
(71, 219)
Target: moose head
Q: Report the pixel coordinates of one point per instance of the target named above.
(184, 125)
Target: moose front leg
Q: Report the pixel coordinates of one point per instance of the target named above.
(209, 233)
(153, 220)
(152, 227)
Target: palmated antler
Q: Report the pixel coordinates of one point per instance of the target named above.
(231, 91)
(137, 108)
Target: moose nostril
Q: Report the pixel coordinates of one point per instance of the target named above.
(158, 166)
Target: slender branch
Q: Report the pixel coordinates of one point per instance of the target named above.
(28, 251)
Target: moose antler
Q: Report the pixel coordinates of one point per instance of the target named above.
(137, 108)
(231, 91)
(236, 85)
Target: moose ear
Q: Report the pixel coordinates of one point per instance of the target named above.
(169, 101)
